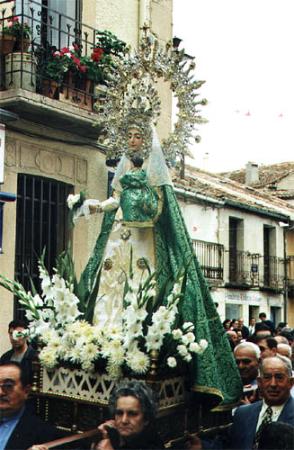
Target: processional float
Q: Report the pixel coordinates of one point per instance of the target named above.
(141, 308)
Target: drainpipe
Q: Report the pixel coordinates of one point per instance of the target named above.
(285, 276)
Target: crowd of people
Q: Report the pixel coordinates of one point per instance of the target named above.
(264, 419)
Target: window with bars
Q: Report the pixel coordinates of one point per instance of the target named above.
(41, 222)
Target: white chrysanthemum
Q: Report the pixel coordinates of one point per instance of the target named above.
(171, 362)
(89, 352)
(194, 347)
(50, 335)
(138, 362)
(48, 357)
(88, 366)
(116, 355)
(114, 371)
(74, 354)
(177, 334)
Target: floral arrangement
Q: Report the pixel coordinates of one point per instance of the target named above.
(16, 28)
(61, 323)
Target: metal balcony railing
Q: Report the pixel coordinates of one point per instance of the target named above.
(49, 28)
(273, 272)
(244, 268)
(290, 274)
(211, 258)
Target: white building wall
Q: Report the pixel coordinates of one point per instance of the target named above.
(201, 221)
(211, 224)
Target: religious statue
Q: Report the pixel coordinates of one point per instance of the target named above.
(143, 222)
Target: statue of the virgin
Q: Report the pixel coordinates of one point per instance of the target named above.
(143, 221)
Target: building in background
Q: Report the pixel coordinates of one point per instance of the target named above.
(239, 237)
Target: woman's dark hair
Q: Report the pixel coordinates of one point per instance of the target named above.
(276, 436)
(143, 393)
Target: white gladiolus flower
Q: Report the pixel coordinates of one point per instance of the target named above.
(72, 199)
(135, 329)
(177, 288)
(153, 341)
(29, 315)
(131, 298)
(46, 285)
(163, 327)
(188, 358)
(37, 300)
(58, 282)
(171, 362)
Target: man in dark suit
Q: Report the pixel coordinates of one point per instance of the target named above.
(275, 382)
(20, 351)
(18, 428)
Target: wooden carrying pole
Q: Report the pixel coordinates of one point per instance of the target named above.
(73, 437)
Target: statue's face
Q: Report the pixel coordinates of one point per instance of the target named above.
(135, 139)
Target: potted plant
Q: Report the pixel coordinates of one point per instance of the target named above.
(83, 72)
(17, 32)
(51, 70)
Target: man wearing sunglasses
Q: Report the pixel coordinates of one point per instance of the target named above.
(19, 429)
(21, 351)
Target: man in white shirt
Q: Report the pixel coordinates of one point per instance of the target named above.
(275, 382)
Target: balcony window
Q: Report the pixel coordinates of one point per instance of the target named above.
(211, 258)
(47, 26)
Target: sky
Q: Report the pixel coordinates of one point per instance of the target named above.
(244, 50)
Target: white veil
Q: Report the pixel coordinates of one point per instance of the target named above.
(155, 166)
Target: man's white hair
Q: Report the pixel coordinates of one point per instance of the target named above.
(286, 347)
(250, 345)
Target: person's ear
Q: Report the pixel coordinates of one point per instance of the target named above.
(27, 390)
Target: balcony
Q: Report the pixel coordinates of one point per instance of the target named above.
(65, 100)
(211, 258)
(273, 273)
(244, 268)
